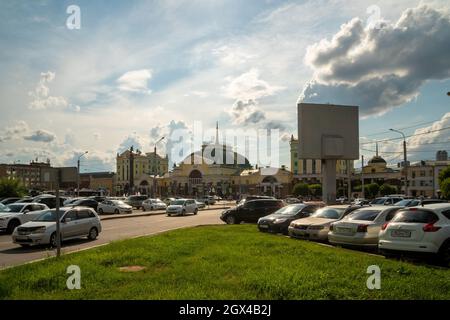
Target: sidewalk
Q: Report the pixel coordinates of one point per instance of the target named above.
(155, 212)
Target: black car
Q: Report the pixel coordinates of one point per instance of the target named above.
(279, 221)
(49, 200)
(251, 211)
(248, 198)
(88, 202)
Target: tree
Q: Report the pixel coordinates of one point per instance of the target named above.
(371, 190)
(300, 189)
(445, 188)
(315, 189)
(387, 189)
(11, 188)
(444, 174)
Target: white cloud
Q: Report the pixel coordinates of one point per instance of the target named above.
(422, 138)
(249, 86)
(41, 94)
(135, 81)
(380, 69)
(14, 132)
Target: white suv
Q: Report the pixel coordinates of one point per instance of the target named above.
(418, 229)
(15, 214)
(181, 207)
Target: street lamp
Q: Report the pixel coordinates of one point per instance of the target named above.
(405, 161)
(448, 93)
(78, 172)
(155, 169)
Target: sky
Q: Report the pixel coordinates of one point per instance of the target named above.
(135, 71)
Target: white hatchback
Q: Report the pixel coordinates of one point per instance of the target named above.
(181, 207)
(153, 204)
(418, 229)
(114, 206)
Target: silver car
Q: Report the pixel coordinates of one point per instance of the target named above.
(361, 228)
(75, 222)
(114, 206)
(153, 204)
(181, 207)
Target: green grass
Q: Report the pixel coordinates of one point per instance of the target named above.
(223, 262)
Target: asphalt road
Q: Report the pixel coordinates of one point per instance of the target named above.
(114, 229)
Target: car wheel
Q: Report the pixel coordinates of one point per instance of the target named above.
(444, 252)
(196, 211)
(231, 220)
(93, 233)
(13, 224)
(169, 215)
(53, 243)
(100, 211)
(143, 209)
(116, 211)
(183, 213)
(24, 245)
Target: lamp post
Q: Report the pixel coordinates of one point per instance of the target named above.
(405, 159)
(155, 169)
(78, 173)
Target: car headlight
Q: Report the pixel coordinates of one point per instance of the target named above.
(316, 227)
(279, 220)
(39, 230)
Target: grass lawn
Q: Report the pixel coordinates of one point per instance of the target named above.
(223, 262)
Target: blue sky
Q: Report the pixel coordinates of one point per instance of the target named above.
(136, 70)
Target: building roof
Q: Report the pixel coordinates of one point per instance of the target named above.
(377, 159)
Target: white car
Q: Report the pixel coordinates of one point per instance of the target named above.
(74, 223)
(420, 230)
(362, 226)
(181, 207)
(153, 204)
(113, 206)
(15, 214)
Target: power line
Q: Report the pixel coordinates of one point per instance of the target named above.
(412, 135)
(404, 128)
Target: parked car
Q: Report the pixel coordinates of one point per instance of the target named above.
(251, 211)
(136, 201)
(167, 201)
(200, 205)
(153, 204)
(49, 200)
(279, 221)
(417, 202)
(419, 230)
(68, 201)
(98, 198)
(25, 200)
(361, 228)
(74, 223)
(385, 201)
(316, 226)
(182, 207)
(7, 201)
(292, 200)
(113, 206)
(360, 202)
(249, 198)
(2, 207)
(15, 214)
(86, 202)
(209, 200)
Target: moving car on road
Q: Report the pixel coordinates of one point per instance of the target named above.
(279, 221)
(74, 222)
(15, 214)
(251, 211)
(114, 206)
(420, 230)
(361, 228)
(316, 227)
(153, 204)
(182, 207)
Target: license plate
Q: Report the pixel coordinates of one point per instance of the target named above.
(401, 233)
(21, 238)
(344, 230)
(263, 226)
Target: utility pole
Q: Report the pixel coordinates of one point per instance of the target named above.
(131, 171)
(155, 169)
(78, 173)
(405, 160)
(58, 225)
(349, 185)
(362, 177)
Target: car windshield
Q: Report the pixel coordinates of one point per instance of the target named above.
(49, 215)
(378, 201)
(290, 210)
(14, 207)
(118, 202)
(177, 203)
(2, 207)
(406, 203)
(329, 213)
(366, 215)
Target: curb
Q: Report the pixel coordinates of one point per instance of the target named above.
(150, 213)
